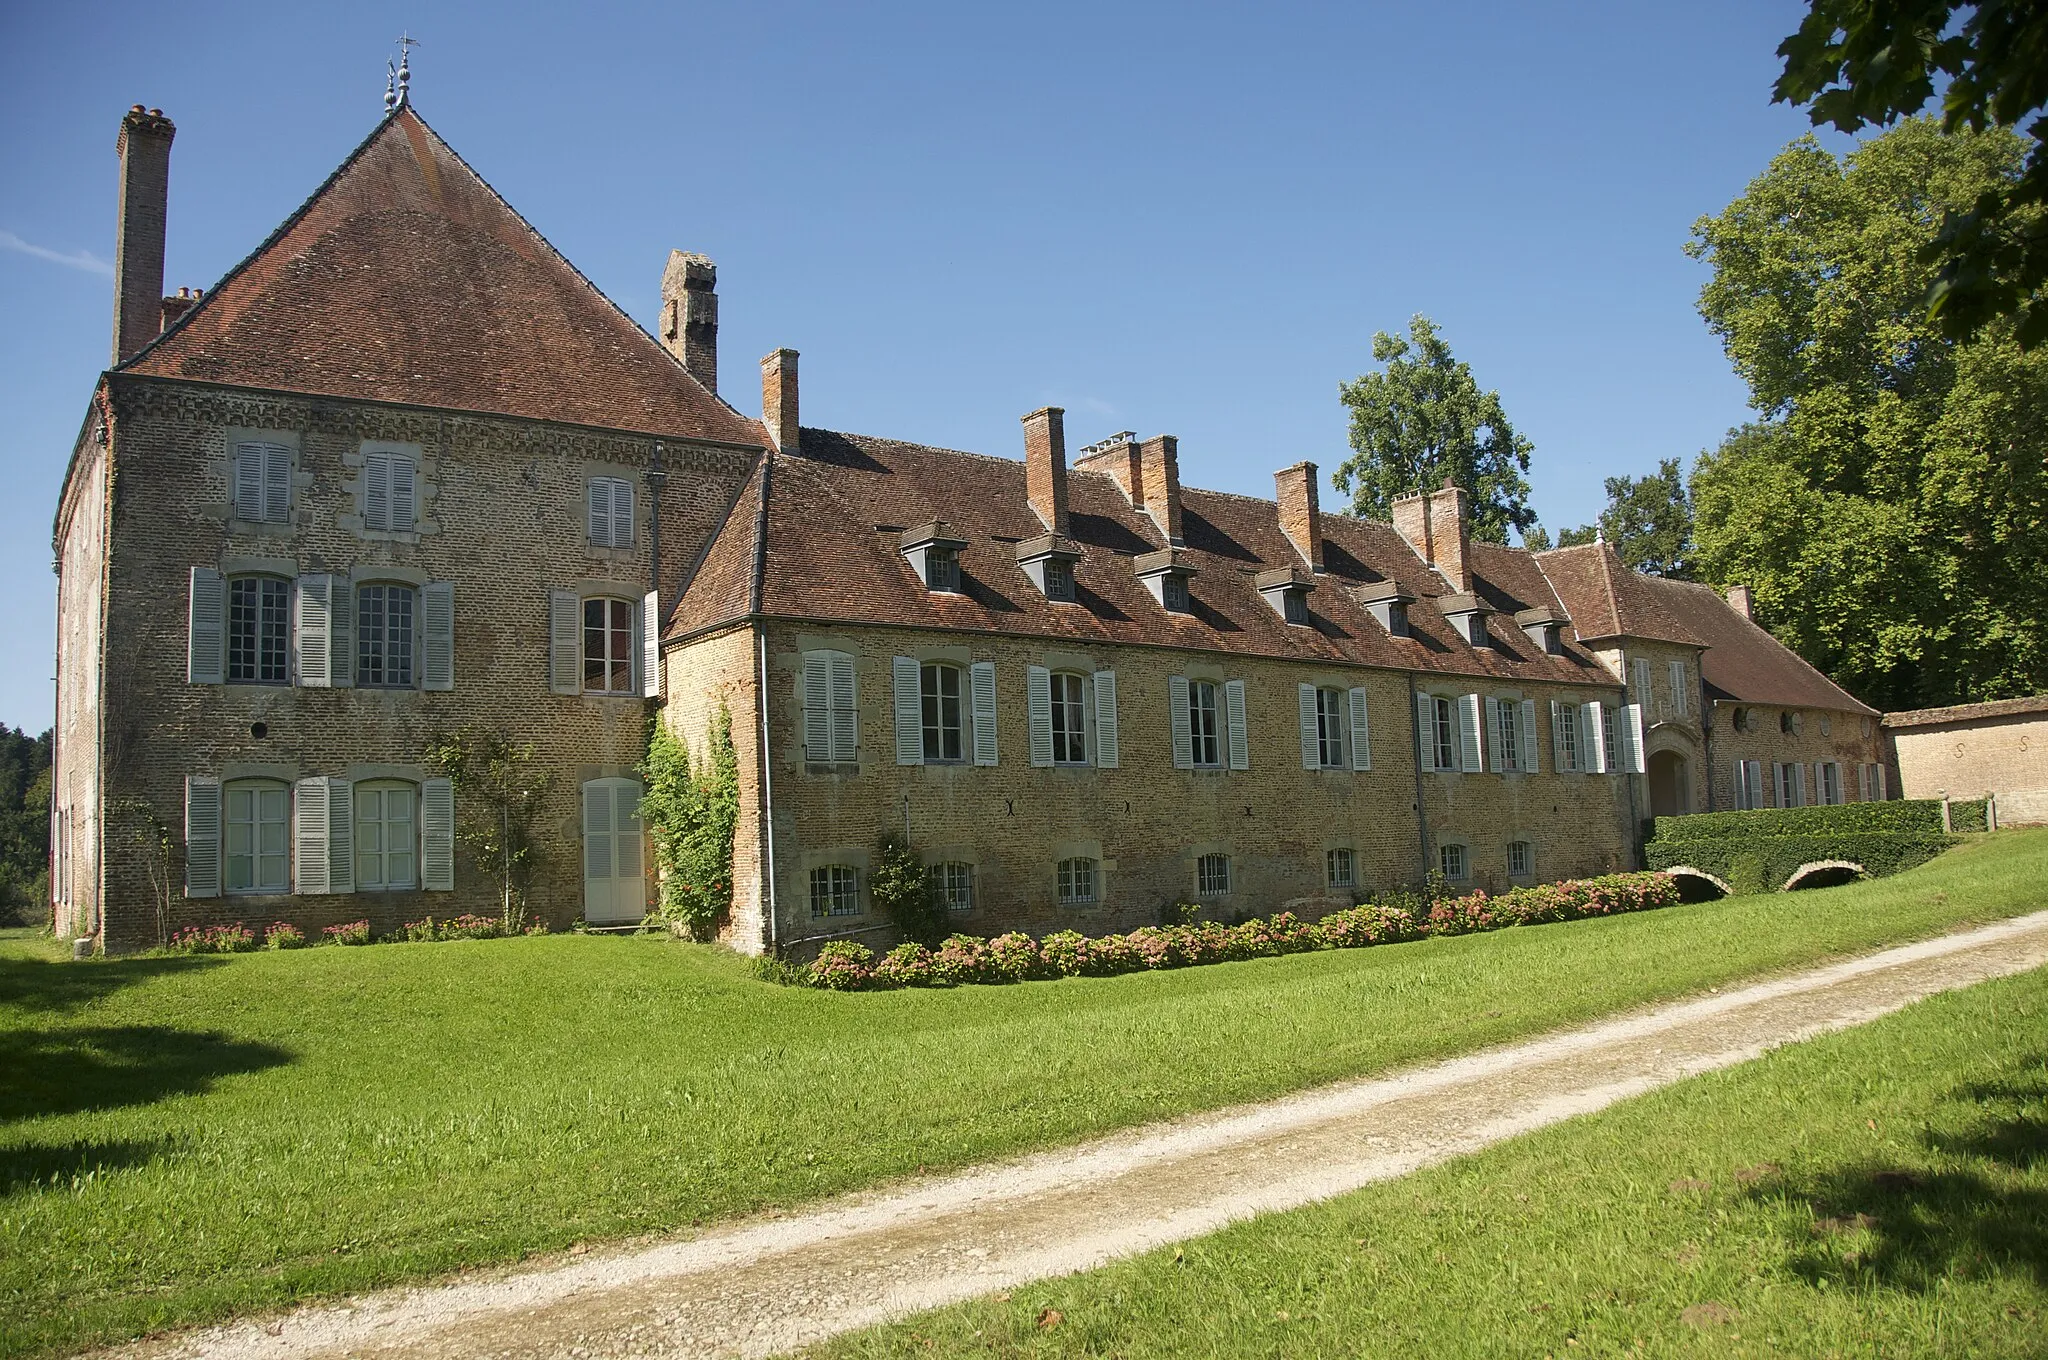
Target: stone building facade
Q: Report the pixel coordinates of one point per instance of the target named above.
(1997, 749)
(405, 474)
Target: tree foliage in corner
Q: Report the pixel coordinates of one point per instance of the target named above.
(1863, 63)
(1422, 419)
(691, 813)
(24, 827)
(1889, 508)
(499, 791)
(1648, 520)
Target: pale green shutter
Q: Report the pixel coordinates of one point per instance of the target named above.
(202, 837)
(206, 630)
(1106, 753)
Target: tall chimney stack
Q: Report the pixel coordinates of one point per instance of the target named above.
(778, 399)
(1294, 491)
(1118, 456)
(1411, 521)
(144, 147)
(1739, 600)
(1159, 462)
(1450, 515)
(1045, 465)
(689, 315)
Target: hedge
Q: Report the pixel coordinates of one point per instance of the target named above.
(844, 965)
(1755, 864)
(1970, 814)
(1914, 816)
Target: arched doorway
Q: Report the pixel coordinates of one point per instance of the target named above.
(1670, 784)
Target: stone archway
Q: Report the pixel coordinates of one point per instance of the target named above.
(1825, 873)
(1670, 784)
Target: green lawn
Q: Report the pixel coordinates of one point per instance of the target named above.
(1880, 1192)
(185, 1138)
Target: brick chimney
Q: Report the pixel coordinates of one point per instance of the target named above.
(1159, 464)
(1294, 490)
(144, 147)
(176, 305)
(689, 314)
(1411, 521)
(1118, 456)
(1450, 516)
(1739, 600)
(778, 399)
(1045, 465)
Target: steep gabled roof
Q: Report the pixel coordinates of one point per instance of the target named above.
(406, 278)
(1743, 662)
(1608, 600)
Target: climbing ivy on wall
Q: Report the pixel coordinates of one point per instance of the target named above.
(690, 811)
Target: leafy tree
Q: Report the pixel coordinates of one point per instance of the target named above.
(24, 826)
(1536, 538)
(1649, 522)
(499, 792)
(1579, 537)
(1889, 508)
(691, 812)
(1859, 63)
(900, 886)
(1422, 418)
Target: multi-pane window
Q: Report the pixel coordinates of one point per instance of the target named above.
(259, 630)
(938, 688)
(1451, 860)
(1443, 733)
(1511, 734)
(1521, 856)
(1059, 579)
(254, 830)
(1790, 779)
(1828, 776)
(384, 637)
(941, 568)
(1337, 867)
(1330, 722)
(1173, 593)
(608, 647)
(1069, 720)
(1205, 745)
(835, 891)
(1607, 737)
(1076, 882)
(386, 843)
(1568, 737)
(953, 885)
(1212, 875)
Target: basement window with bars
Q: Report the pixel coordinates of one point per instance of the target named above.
(1338, 868)
(1077, 882)
(953, 885)
(1521, 859)
(1452, 863)
(1212, 875)
(835, 891)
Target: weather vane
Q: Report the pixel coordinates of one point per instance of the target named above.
(398, 80)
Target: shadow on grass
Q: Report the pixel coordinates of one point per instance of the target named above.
(1916, 1228)
(64, 1071)
(69, 1164)
(39, 986)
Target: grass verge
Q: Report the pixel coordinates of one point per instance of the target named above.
(186, 1138)
(1883, 1191)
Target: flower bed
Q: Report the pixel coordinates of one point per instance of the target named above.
(238, 938)
(846, 966)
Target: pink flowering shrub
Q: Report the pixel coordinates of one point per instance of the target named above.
(234, 939)
(284, 935)
(843, 966)
(962, 959)
(1014, 958)
(907, 965)
(351, 932)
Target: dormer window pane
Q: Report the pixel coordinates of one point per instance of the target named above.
(1293, 607)
(941, 569)
(1059, 579)
(1173, 592)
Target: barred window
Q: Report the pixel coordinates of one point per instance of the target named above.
(384, 615)
(1521, 855)
(1451, 860)
(835, 891)
(953, 885)
(1338, 864)
(1212, 875)
(1077, 882)
(259, 630)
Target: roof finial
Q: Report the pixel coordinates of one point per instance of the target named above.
(390, 87)
(405, 45)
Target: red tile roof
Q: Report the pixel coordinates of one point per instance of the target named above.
(1608, 600)
(406, 278)
(1743, 662)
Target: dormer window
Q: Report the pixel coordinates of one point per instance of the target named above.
(1286, 590)
(1468, 617)
(1165, 573)
(1059, 581)
(1049, 561)
(1173, 593)
(1544, 627)
(934, 555)
(1388, 603)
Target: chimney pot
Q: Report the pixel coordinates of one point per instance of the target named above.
(1301, 516)
(1045, 465)
(689, 315)
(778, 399)
(1159, 464)
(144, 147)
(1118, 456)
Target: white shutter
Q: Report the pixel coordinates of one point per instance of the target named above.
(1742, 803)
(626, 849)
(202, 837)
(313, 631)
(1106, 753)
(277, 483)
(1311, 737)
(309, 832)
(1468, 733)
(376, 491)
(1177, 717)
(1642, 669)
(1425, 729)
(1593, 737)
(845, 716)
(206, 628)
(1038, 704)
(1361, 734)
(598, 505)
(650, 645)
(1753, 781)
(437, 835)
(437, 635)
(909, 713)
(565, 642)
(1632, 730)
(1530, 762)
(1495, 719)
(597, 842)
(1240, 739)
(1878, 769)
(622, 514)
(248, 491)
(1799, 784)
(404, 510)
(341, 836)
(1678, 704)
(981, 678)
(816, 697)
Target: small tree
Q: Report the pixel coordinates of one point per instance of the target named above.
(499, 791)
(691, 813)
(901, 888)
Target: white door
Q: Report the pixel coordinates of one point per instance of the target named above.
(614, 884)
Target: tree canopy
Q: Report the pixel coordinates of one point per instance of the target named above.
(1422, 418)
(1889, 508)
(1648, 520)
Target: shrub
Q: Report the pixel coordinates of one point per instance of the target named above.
(1969, 814)
(907, 965)
(469, 927)
(232, 939)
(961, 959)
(1763, 863)
(350, 932)
(843, 966)
(900, 886)
(1911, 816)
(690, 813)
(1014, 958)
(284, 935)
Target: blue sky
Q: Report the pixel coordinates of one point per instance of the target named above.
(1187, 220)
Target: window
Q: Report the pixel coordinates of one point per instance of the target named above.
(1294, 606)
(609, 512)
(953, 885)
(1749, 785)
(1212, 875)
(1789, 723)
(1827, 726)
(1745, 721)
(831, 724)
(1828, 782)
(1521, 855)
(387, 488)
(1511, 734)
(1330, 720)
(1568, 719)
(384, 615)
(1173, 592)
(835, 891)
(1204, 744)
(1059, 579)
(1678, 689)
(259, 630)
(1443, 734)
(263, 483)
(386, 846)
(938, 688)
(1450, 859)
(1077, 882)
(942, 568)
(1873, 784)
(258, 858)
(1790, 778)
(1338, 869)
(608, 647)
(1069, 719)
(1607, 751)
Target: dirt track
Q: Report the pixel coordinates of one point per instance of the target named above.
(771, 1285)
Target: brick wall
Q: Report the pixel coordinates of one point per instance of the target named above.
(1850, 739)
(1981, 749)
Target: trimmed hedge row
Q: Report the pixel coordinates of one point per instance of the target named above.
(1757, 864)
(844, 965)
(1970, 814)
(1910, 816)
